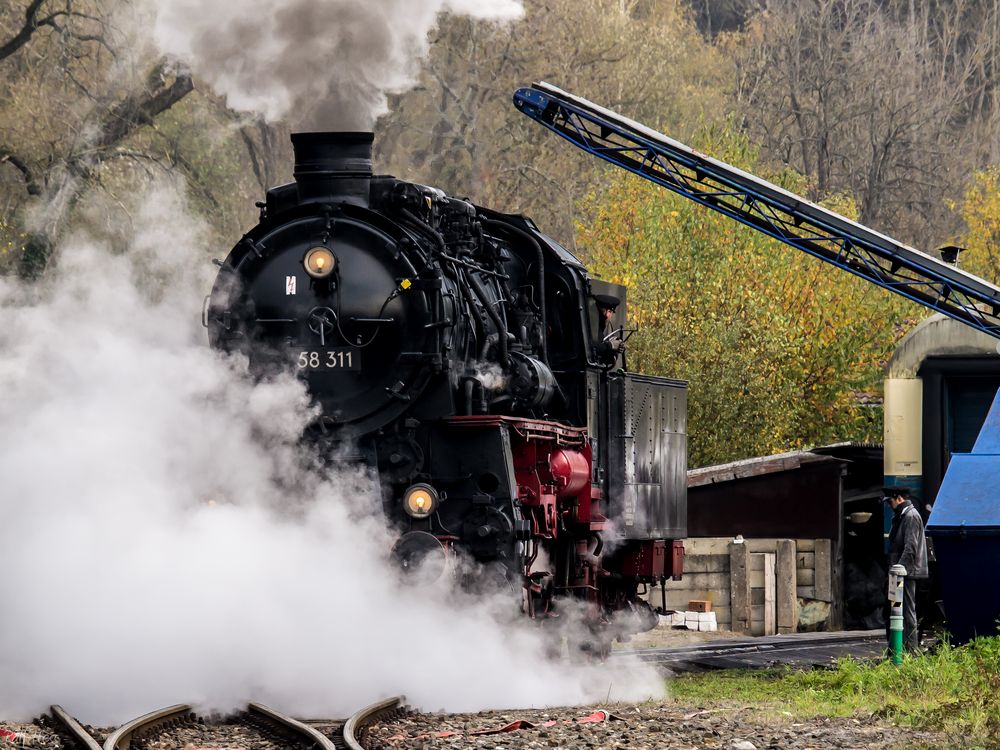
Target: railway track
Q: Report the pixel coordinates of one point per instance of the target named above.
(121, 738)
(798, 650)
(258, 727)
(66, 725)
(356, 727)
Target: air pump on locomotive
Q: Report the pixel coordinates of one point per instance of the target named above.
(477, 368)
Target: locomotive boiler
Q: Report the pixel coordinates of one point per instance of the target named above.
(478, 370)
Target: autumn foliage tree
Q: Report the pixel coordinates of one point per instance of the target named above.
(781, 350)
(981, 212)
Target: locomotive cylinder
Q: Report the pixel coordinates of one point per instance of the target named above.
(333, 167)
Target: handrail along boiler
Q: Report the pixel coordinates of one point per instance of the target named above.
(477, 369)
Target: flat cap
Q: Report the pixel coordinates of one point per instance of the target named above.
(894, 491)
(607, 301)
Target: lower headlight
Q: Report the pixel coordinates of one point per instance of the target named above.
(420, 500)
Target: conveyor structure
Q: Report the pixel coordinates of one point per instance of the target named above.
(766, 207)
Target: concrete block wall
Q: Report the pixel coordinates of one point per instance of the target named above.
(783, 582)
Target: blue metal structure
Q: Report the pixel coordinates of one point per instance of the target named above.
(766, 207)
(965, 525)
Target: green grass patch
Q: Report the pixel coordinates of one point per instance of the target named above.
(954, 690)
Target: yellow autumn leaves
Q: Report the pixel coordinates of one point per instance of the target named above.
(981, 212)
(781, 350)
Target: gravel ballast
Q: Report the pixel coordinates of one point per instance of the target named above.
(647, 726)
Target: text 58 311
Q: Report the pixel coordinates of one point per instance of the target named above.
(324, 360)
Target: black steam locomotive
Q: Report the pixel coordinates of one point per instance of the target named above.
(474, 365)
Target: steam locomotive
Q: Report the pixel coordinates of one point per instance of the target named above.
(479, 372)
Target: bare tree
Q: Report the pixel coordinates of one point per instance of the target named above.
(60, 16)
(459, 130)
(267, 146)
(719, 16)
(887, 106)
(86, 115)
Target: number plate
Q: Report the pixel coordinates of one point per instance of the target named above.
(327, 360)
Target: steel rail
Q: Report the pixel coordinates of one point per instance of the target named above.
(75, 729)
(757, 644)
(366, 716)
(121, 738)
(802, 649)
(306, 732)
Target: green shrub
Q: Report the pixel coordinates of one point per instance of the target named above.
(952, 689)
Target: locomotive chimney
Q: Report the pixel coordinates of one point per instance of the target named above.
(333, 167)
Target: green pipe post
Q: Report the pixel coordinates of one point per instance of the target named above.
(896, 636)
(897, 573)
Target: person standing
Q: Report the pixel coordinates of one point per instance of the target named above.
(907, 547)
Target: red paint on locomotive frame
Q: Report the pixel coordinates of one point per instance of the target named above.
(527, 429)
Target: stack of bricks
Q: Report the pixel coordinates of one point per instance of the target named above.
(698, 616)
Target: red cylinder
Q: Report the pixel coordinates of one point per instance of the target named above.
(571, 471)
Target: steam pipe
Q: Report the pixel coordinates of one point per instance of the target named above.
(468, 388)
(460, 277)
(470, 303)
(541, 276)
(599, 547)
(494, 315)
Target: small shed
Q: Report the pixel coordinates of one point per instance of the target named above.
(792, 516)
(791, 495)
(764, 543)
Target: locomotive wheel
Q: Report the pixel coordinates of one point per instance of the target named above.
(488, 533)
(598, 648)
(420, 555)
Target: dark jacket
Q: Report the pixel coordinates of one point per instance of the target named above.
(907, 544)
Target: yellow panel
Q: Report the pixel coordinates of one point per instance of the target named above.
(903, 426)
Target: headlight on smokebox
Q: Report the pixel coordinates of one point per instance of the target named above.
(320, 262)
(420, 500)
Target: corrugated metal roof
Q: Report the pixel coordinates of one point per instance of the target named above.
(751, 467)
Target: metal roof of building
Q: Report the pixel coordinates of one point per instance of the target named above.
(752, 467)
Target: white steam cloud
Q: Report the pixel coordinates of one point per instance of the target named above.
(324, 64)
(166, 539)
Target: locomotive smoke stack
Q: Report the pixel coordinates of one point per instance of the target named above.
(333, 167)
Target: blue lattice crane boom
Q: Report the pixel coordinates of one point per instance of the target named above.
(766, 207)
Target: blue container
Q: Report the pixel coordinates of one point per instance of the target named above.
(965, 527)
